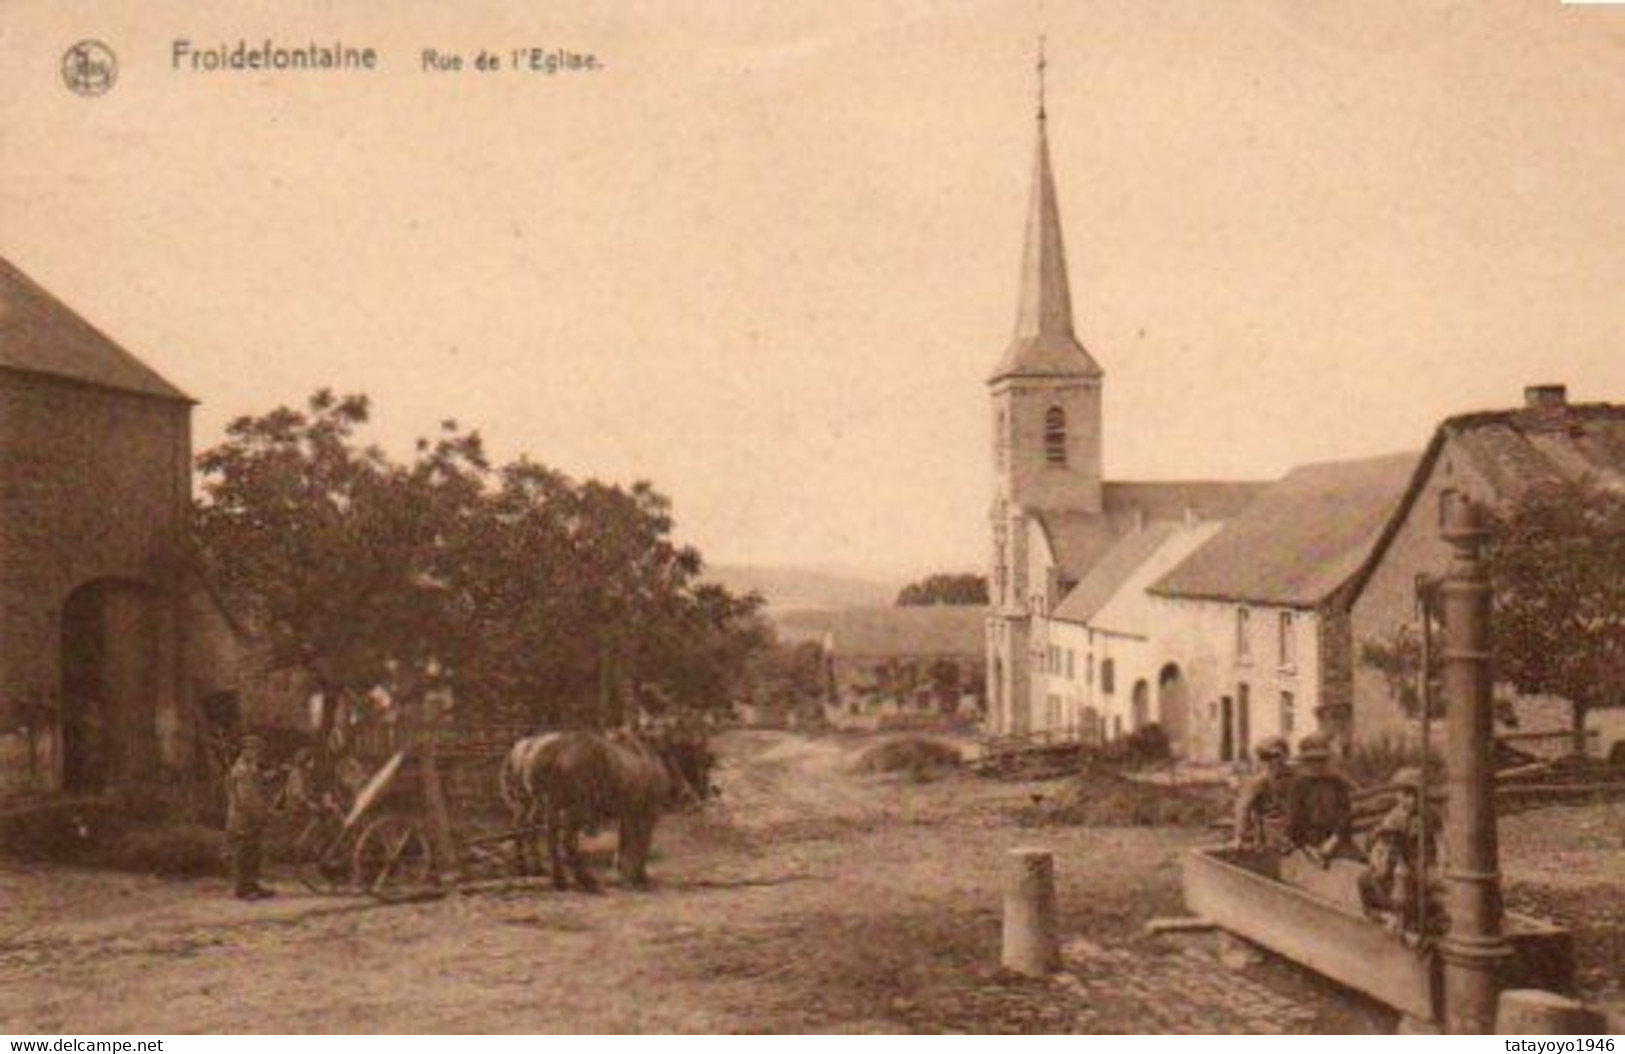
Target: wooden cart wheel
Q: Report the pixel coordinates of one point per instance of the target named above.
(392, 859)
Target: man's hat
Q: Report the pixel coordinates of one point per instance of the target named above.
(1314, 747)
(1272, 747)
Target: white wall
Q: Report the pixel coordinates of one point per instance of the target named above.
(1200, 635)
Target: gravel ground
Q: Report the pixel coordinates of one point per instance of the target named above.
(809, 898)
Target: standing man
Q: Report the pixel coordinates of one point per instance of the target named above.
(1261, 802)
(248, 809)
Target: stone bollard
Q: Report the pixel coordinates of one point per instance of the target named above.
(1534, 1012)
(1030, 943)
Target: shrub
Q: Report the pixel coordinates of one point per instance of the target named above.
(1375, 760)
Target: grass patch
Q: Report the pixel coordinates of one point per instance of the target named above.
(919, 756)
(1102, 798)
(131, 833)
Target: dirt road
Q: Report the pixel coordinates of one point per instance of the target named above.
(808, 899)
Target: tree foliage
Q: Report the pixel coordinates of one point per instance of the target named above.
(964, 589)
(1557, 562)
(528, 594)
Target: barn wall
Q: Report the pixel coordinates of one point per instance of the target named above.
(94, 484)
(1388, 599)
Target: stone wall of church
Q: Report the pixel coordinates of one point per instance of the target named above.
(94, 486)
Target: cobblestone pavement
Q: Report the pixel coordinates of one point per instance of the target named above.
(1184, 991)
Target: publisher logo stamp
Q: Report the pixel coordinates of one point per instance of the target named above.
(89, 68)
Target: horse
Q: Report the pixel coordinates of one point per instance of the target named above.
(584, 779)
(525, 804)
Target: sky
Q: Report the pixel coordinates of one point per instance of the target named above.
(767, 256)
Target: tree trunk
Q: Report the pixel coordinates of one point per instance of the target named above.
(1578, 714)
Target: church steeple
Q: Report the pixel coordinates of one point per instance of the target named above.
(1045, 344)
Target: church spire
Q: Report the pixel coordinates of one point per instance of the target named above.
(1045, 344)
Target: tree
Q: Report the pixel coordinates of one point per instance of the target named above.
(529, 595)
(962, 589)
(1557, 562)
(1398, 657)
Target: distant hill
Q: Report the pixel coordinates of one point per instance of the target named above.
(806, 589)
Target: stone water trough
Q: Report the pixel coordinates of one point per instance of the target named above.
(1313, 917)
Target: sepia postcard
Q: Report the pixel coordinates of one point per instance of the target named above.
(832, 516)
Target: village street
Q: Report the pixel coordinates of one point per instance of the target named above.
(809, 898)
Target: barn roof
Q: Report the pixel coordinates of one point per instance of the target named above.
(41, 335)
(1299, 541)
(893, 632)
(1514, 450)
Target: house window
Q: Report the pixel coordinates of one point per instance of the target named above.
(1108, 676)
(1055, 436)
(1288, 719)
(1288, 641)
(1089, 670)
(1244, 633)
(1069, 664)
(1001, 445)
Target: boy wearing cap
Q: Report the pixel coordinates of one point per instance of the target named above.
(1261, 802)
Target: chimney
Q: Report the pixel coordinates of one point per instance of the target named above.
(1545, 408)
(1551, 398)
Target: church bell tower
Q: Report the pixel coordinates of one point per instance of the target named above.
(1045, 395)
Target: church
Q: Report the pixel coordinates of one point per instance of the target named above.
(1226, 613)
(1054, 515)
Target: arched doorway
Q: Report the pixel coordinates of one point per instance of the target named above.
(1140, 703)
(1173, 709)
(108, 662)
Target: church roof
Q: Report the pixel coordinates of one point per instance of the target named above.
(41, 335)
(1077, 540)
(1044, 344)
(1300, 540)
(1178, 500)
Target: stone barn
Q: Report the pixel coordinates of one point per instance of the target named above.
(95, 487)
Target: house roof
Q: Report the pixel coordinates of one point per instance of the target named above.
(1080, 540)
(1128, 611)
(1110, 573)
(1300, 540)
(1514, 450)
(41, 335)
(893, 632)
